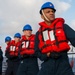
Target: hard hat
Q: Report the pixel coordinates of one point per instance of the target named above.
(8, 38)
(27, 27)
(18, 35)
(47, 5)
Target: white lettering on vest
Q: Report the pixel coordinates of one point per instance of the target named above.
(25, 44)
(12, 48)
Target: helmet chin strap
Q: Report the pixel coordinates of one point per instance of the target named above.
(45, 16)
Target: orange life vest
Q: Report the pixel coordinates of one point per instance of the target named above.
(13, 48)
(52, 38)
(27, 45)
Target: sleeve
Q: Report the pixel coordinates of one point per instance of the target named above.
(41, 56)
(70, 34)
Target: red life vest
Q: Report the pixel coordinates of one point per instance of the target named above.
(13, 48)
(7, 47)
(27, 45)
(52, 38)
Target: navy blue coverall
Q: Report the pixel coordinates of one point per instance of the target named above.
(28, 65)
(52, 65)
(1, 59)
(12, 64)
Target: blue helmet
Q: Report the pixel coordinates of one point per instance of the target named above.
(27, 27)
(18, 35)
(47, 5)
(8, 38)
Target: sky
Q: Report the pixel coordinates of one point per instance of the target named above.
(14, 14)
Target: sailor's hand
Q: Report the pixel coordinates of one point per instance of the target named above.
(48, 54)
